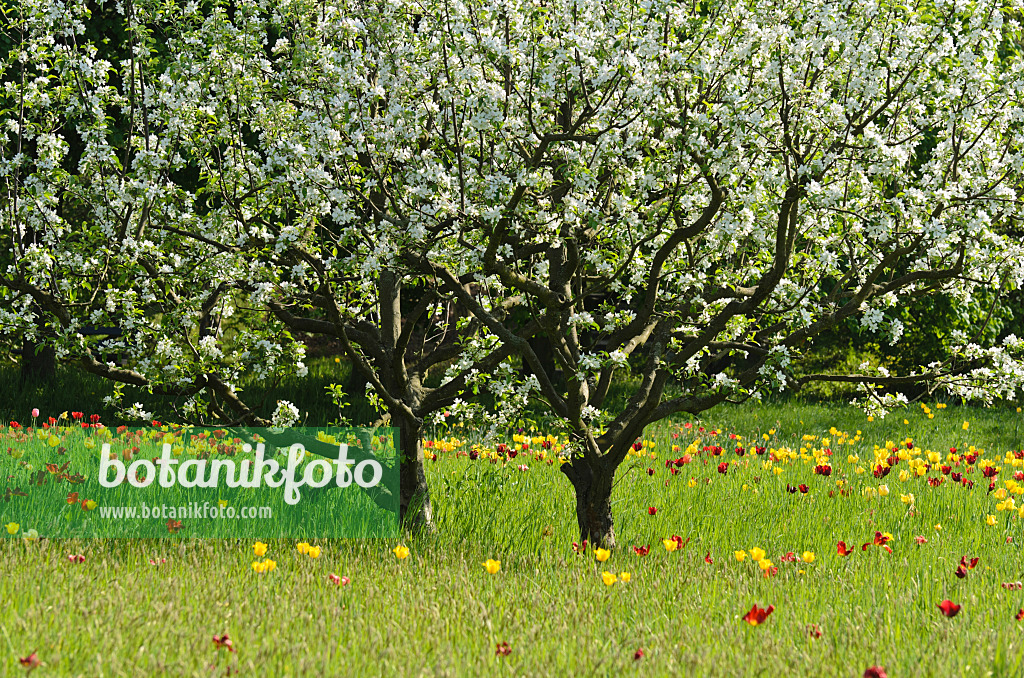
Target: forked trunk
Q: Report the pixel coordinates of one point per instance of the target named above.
(414, 496)
(593, 503)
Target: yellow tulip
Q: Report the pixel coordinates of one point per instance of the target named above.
(808, 556)
(492, 566)
(12, 528)
(303, 547)
(313, 552)
(625, 577)
(883, 490)
(757, 554)
(764, 564)
(602, 554)
(401, 552)
(990, 519)
(259, 549)
(608, 578)
(670, 544)
(740, 555)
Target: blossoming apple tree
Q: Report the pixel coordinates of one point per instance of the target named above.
(685, 195)
(678, 197)
(206, 193)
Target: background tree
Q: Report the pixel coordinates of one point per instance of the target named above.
(203, 223)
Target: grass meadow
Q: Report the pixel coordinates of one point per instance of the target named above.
(153, 607)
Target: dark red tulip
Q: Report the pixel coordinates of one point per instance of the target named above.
(642, 550)
(223, 642)
(651, 510)
(949, 608)
(757, 615)
(875, 672)
(503, 649)
(843, 549)
(638, 655)
(723, 467)
(803, 489)
(1020, 614)
(969, 564)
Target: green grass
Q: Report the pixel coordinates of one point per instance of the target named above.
(439, 612)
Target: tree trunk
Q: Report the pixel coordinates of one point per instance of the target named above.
(593, 503)
(358, 409)
(38, 364)
(414, 496)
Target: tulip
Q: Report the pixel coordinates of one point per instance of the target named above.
(492, 566)
(758, 615)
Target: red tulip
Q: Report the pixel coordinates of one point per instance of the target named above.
(879, 540)
(77, 558)
(843, 549)
(642, 550)
(960, 571)
(30, 662)
(970, 565)
(651, 510)
(875, 672)
(1020, 614)
(723, 467)
(920, 540)
(503, 649)
(708, 559)
(814, 631)
(638, 655)
(757, 615)
(223, 642)
(949, 608)
(803, 489)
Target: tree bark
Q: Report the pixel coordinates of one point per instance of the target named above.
(593, 502)
(38, 364)
(415, 510)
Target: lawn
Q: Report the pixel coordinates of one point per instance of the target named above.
(153, 607)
